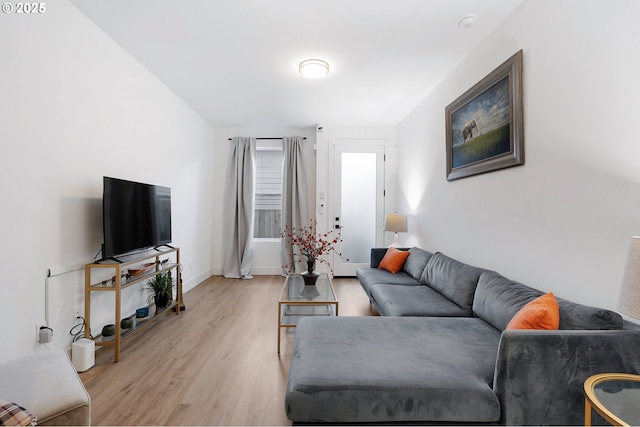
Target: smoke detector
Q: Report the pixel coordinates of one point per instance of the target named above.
(467, 21)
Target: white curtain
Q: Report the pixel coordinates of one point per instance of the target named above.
(294, 192)
(239, 209)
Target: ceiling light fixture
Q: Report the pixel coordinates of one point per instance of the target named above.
(313, 68)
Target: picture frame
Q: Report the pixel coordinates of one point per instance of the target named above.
(484, 126)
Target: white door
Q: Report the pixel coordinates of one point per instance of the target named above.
(357, 203)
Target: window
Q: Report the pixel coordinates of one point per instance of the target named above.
(268, 203)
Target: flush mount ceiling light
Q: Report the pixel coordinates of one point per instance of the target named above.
(313, 68)
(467, 21)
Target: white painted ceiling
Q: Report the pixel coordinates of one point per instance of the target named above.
(235, 62)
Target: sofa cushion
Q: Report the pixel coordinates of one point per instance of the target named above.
(393, 260)
(541, 313)
(372, 276)
(453, 279)
(577, 316)
(393, 369)
(498, 299)
(392, 300)
(416, 263)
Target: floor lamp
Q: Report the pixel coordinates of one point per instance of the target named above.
(629, 302)
(396, 224)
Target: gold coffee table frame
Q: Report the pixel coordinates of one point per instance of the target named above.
(298, 300)
(591, 401)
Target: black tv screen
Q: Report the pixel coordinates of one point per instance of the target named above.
(135, 216)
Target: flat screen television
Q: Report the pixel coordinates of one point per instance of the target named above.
(135, 216)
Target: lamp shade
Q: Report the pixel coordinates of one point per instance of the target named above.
(396, 223)
(629, 302)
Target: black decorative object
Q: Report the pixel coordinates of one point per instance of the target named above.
(162, 300)
(310, 276)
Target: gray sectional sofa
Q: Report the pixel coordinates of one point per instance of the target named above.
(439, 352)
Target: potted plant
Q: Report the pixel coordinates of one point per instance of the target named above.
(161, 288)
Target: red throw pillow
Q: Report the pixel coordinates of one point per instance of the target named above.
(393, 260)
(541, 313)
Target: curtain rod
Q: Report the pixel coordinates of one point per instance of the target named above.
(304, 137)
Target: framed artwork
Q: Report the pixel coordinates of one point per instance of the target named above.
(484, 129)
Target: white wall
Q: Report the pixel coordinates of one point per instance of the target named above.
(266, 256)
(74, 106)
(561, 222)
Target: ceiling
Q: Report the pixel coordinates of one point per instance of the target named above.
(235, 62)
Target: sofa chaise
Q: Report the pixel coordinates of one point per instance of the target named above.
(441, 352)
(44, 388)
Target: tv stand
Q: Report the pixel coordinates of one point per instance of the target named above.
(119, 281)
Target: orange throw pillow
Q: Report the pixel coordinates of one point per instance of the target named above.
(541, 313)
(393, 260)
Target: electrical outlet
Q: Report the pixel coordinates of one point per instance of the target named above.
(77, 313)
(38, 326)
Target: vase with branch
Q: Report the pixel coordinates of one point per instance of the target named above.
(308, 247)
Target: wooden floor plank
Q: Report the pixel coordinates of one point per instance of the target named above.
(215, 364)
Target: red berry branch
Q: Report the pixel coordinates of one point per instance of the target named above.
(308, 245)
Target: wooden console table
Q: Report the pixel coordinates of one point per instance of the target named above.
(122, 281)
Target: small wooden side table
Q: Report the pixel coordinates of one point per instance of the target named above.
(616, 397)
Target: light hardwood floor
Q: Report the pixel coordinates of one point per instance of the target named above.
(215, 364)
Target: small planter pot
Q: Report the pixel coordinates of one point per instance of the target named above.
(126, 323)
(109, 330)
(162, 301)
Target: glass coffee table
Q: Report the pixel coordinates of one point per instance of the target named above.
(616, 397)
(299, 300)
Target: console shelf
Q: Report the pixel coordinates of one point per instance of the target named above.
(121, 280)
